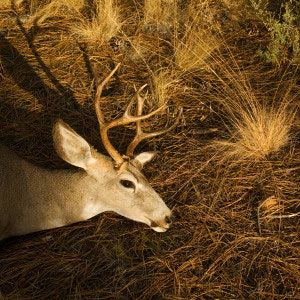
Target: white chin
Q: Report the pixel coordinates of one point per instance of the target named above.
(159, 229)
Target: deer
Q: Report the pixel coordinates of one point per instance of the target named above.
(34, 199)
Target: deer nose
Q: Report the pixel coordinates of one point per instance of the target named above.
(169, 219)
(164, 223)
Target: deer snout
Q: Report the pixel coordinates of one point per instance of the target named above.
(169, 219)
(163, 224)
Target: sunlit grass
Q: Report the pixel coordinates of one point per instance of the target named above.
(195, 50)
(166, 84)
(255, 135)
(41, 13)
(105, 24)
(256, 129)
(8, 3)
(162, 14)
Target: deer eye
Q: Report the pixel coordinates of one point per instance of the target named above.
(127, 184)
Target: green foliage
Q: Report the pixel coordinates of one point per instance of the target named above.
(283, 28)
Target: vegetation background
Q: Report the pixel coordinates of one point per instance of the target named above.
(230, 169)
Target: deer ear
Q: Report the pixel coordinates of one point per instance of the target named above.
(142, 158)
(71, 147)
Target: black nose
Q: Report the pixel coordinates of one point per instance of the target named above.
(169, 219)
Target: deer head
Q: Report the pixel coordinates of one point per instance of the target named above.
(119, 184)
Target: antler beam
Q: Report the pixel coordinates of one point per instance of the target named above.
(115, 155)
(127, 118)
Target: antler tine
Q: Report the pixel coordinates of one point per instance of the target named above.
(98, 110)
(139, 109)
(128, 109)
(140, 134)
(115, 155)
(129, 118)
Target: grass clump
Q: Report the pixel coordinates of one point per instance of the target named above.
(7, 3)
(161, 15)
(40, 13)
(258, 126)
(256, 134)
(105, 24)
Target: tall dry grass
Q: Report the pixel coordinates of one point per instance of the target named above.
(5, 4)
(105, 24)
(97, 27)
(161, 14)
(40, 13)
(166, 85)
(256, 128)
(257, 134)
(195, 49)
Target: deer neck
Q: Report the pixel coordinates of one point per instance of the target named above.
(73, 196)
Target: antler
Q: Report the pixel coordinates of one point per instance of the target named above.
(140, 134)
(115, 155)
(124, 120)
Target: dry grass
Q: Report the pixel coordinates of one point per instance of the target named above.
(256, 129)
(105, 24)
(41, 13)
(166, 84)
(5, 4)
(257, 135)
(161, 14)
(230, 170)
(195, 50)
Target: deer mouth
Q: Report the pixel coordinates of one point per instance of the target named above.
(159, 227)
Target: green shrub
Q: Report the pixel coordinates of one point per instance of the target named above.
(283, 27)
